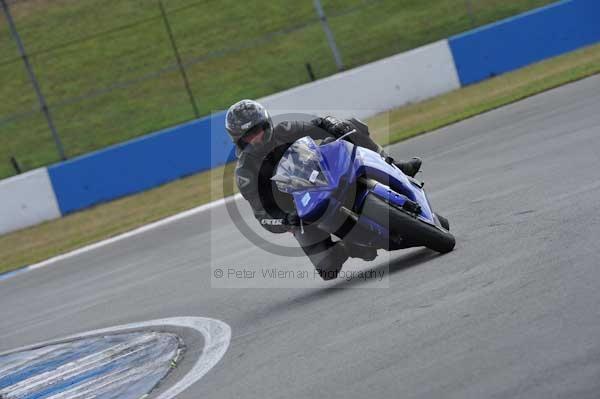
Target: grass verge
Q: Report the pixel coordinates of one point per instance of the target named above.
(40, 242)
(108, 71)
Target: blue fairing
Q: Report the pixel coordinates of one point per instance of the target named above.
(343, 163)
(310, 204)
(399, 186)
(336, 159)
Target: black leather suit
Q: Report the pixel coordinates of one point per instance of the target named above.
(255, 167)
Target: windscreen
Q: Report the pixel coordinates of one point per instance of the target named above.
(300, 167)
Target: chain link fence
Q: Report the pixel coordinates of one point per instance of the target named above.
(111, 70)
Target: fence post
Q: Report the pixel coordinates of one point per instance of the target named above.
(469, 7)
(186, 82)
(311, 74)
(330, 38)
(15, 165)
(33, 79)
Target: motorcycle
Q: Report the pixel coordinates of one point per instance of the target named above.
(354, 194)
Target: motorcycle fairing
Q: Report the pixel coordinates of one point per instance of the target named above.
(343, 163)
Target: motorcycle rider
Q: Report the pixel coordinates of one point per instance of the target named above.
(260, 146)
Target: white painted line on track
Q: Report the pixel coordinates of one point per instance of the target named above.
(120, 237)
(216, 334)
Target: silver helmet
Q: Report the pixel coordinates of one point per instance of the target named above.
(246, 116)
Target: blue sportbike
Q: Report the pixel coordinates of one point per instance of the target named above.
(354, 194)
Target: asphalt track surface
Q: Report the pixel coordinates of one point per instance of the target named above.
(513, 312)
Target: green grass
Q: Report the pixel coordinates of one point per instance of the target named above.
(232, 49)
(58, 236)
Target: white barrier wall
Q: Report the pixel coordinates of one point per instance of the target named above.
(382, 85)
(26, 200)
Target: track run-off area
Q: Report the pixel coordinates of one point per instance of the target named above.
(513, 311)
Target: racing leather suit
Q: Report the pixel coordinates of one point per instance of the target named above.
(275, 210)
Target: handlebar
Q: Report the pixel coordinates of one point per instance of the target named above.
(346, 134)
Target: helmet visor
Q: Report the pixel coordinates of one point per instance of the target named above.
(257, 134)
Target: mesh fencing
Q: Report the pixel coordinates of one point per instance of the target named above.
(109, 71)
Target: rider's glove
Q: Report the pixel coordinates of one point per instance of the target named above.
(335, 126)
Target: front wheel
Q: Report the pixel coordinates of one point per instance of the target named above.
(413, 231)
(443, 221)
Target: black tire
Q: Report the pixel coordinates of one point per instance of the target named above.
(443, 221)
(414, 232)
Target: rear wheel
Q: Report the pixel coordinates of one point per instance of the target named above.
(412, 231)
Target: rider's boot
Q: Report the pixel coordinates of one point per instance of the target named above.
(410, 167)
(331, 263)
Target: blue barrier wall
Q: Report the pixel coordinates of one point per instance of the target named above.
(141, 164)
(513, 43)
(156, 159)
